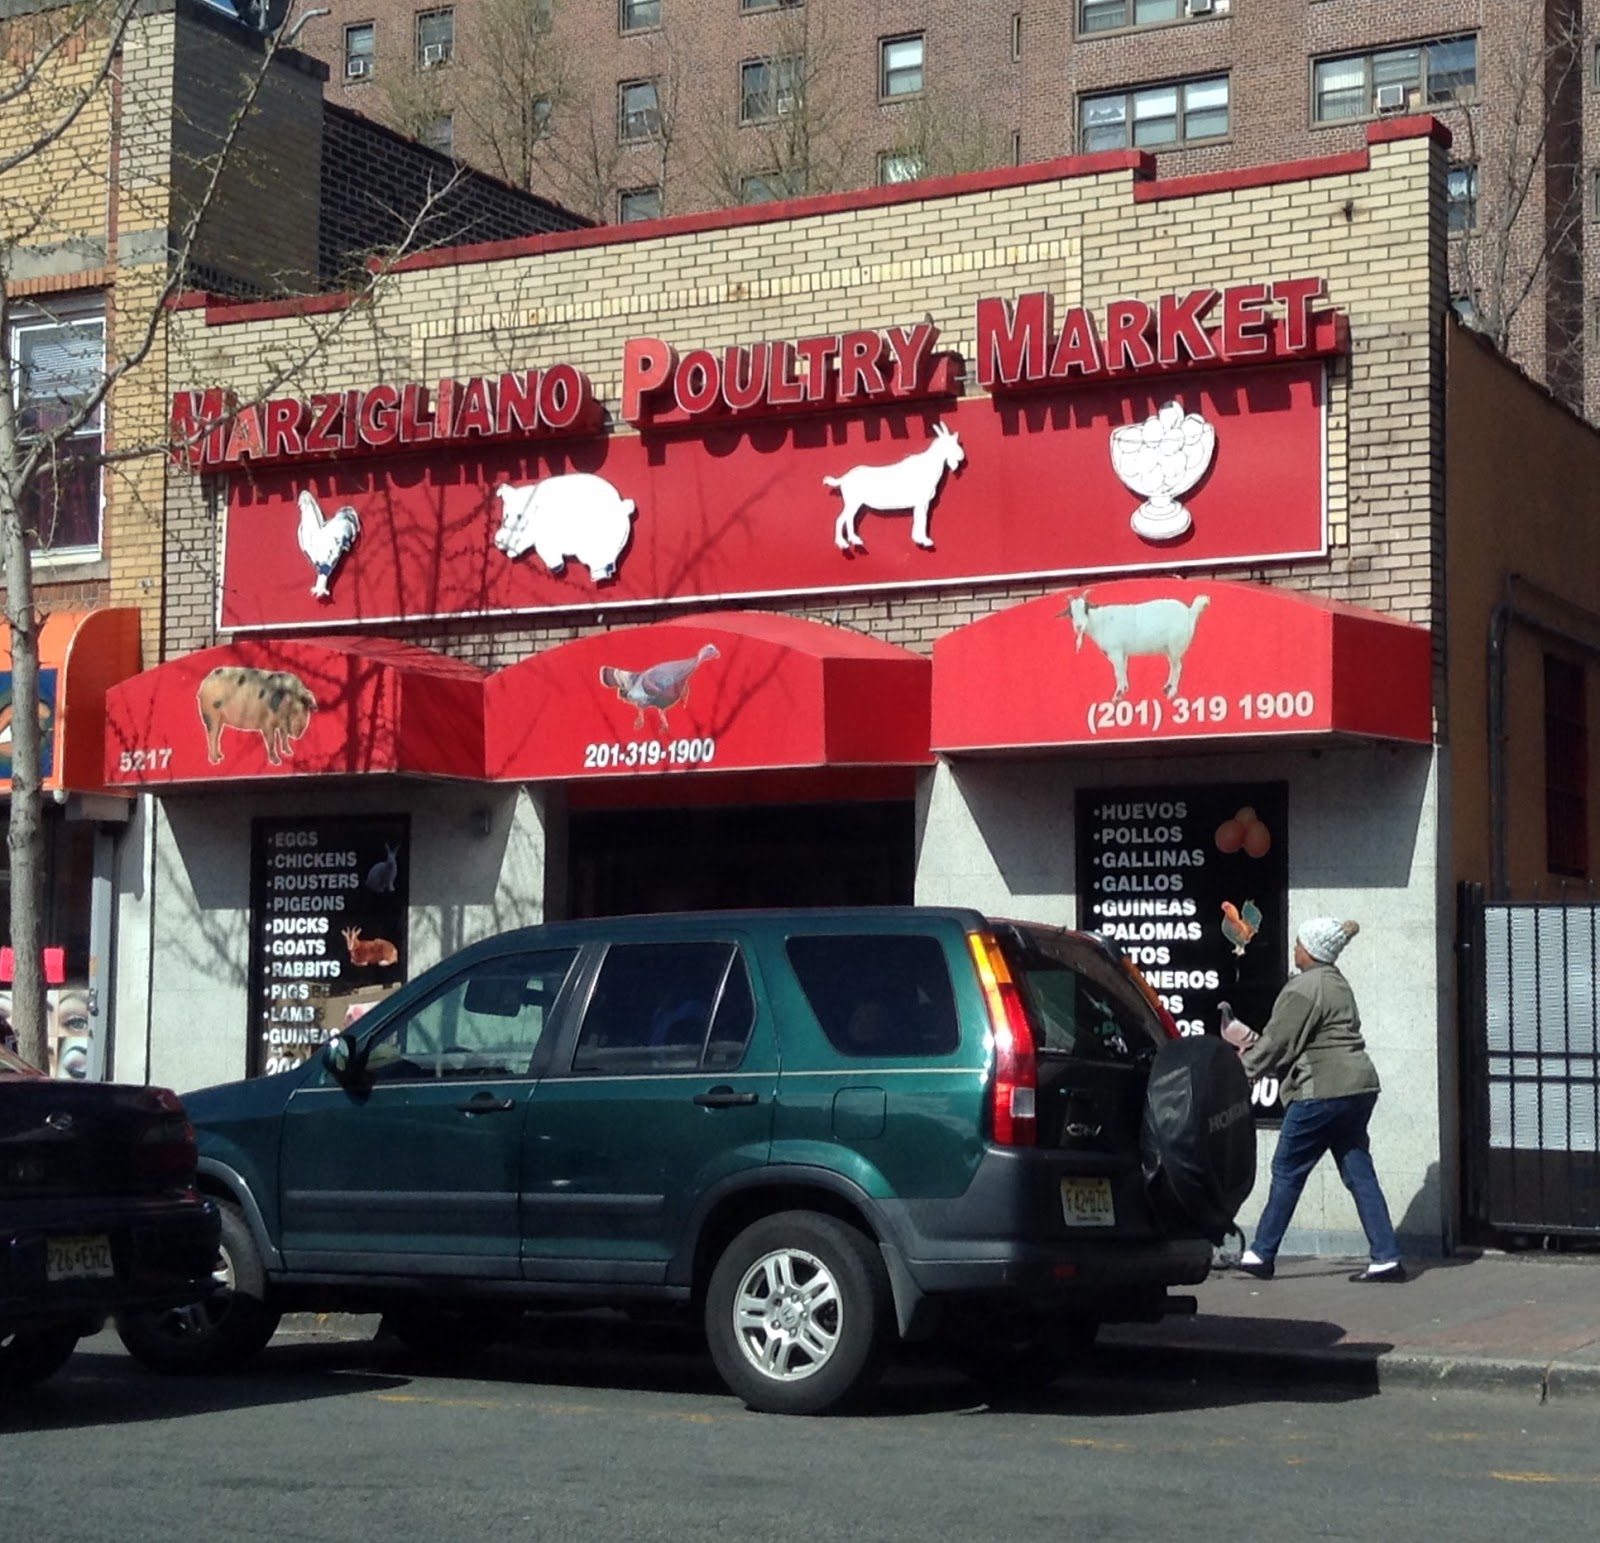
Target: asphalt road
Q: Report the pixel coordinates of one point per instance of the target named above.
(601, 1434)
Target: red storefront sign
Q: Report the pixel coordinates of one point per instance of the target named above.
(728, 692)
(1155, 660)
(1215, 467)
(296, 707)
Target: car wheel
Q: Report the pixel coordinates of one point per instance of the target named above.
(798, 1314)
(447, 1333)
(1023, 1357)
(28, 1356)
(220, 1333)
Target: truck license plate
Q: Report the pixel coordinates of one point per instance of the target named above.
(1087, 1203)
(83, 1258)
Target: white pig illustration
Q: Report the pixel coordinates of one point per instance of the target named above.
(576, 515)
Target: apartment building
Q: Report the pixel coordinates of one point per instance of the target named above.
(634, 109)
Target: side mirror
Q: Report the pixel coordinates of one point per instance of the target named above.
(339, 1056)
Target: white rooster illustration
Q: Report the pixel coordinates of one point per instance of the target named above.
(325, 541)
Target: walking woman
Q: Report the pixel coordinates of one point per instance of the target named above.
(1313, 1044)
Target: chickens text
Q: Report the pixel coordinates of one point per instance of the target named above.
(1021, 345)
(207, 429)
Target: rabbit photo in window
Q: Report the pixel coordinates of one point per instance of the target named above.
(381, 876)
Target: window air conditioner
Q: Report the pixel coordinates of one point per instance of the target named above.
(1389, 99)
(1200, 7)
(434, 53)
(355, 68)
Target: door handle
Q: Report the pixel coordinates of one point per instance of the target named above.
(486, 1103)
(725, 1098)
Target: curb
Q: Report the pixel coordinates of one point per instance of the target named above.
(1351, 1368)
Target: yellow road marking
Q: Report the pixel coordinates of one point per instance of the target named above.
(1545, 1478)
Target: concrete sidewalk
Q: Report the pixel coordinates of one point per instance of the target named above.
(1521, 1323)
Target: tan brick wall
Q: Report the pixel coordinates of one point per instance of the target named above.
(1086, 239)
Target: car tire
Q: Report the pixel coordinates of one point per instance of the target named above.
(1022, 1357)
(798, 1314)
(447, 1333)
(28, 1356)
(224, 1331)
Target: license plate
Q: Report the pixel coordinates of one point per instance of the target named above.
(85, 1258)
(1087, 1203)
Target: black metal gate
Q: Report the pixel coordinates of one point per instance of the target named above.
(1531, 1041)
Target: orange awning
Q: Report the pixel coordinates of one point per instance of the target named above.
(81, 655)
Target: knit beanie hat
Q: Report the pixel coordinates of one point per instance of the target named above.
(1323, 936)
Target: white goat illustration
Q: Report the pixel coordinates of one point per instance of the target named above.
(1123, 632)
(908, 484)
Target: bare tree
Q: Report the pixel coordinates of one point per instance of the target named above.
(65, 77)
(519, 84)
(1517, 193)
(605, 143)
(939, 133)
(788, 133)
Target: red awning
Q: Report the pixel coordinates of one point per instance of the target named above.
(1148, 661)
(306, 707)
(81, 653)
(728, 691)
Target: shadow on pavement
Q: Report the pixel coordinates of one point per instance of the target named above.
(101, 1385)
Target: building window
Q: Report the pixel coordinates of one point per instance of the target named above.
(440, 134)
(638, 110)
(1395, 80)
(638, 204)
(1016, 36)
(60, 358)
(769, 88)
(1566, 767)
(899, 166)
(900, 66)
(1103, 15)
(1461, 196)
(1155, 116)
(436, 38)
(640, 14)
(540, 110)
(767, 5)
(360, 42)
(766, 187)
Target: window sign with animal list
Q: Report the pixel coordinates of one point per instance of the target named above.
(1192, 884)
(329, 909)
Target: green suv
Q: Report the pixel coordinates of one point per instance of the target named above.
(821, 1131)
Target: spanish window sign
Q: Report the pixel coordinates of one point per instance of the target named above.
(1192, 884)
(328, 929)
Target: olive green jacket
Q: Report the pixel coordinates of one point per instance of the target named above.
(1313, 1039)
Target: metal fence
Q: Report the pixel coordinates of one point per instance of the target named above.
(1532, 1062)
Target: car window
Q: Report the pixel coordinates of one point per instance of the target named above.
(666, 1007)
(485, 1022)
(878, 994)
(1079, 1006)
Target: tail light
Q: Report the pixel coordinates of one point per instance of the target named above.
(166, 1146)
(1014, 1093)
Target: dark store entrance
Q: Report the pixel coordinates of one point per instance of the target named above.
(623, 861)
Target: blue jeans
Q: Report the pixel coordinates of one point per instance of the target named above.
(1312, 1126)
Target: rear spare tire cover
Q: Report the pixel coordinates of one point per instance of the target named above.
(1197, 1140)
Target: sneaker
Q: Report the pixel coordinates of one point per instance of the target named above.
(1381, 1275)
(1254, 1265)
